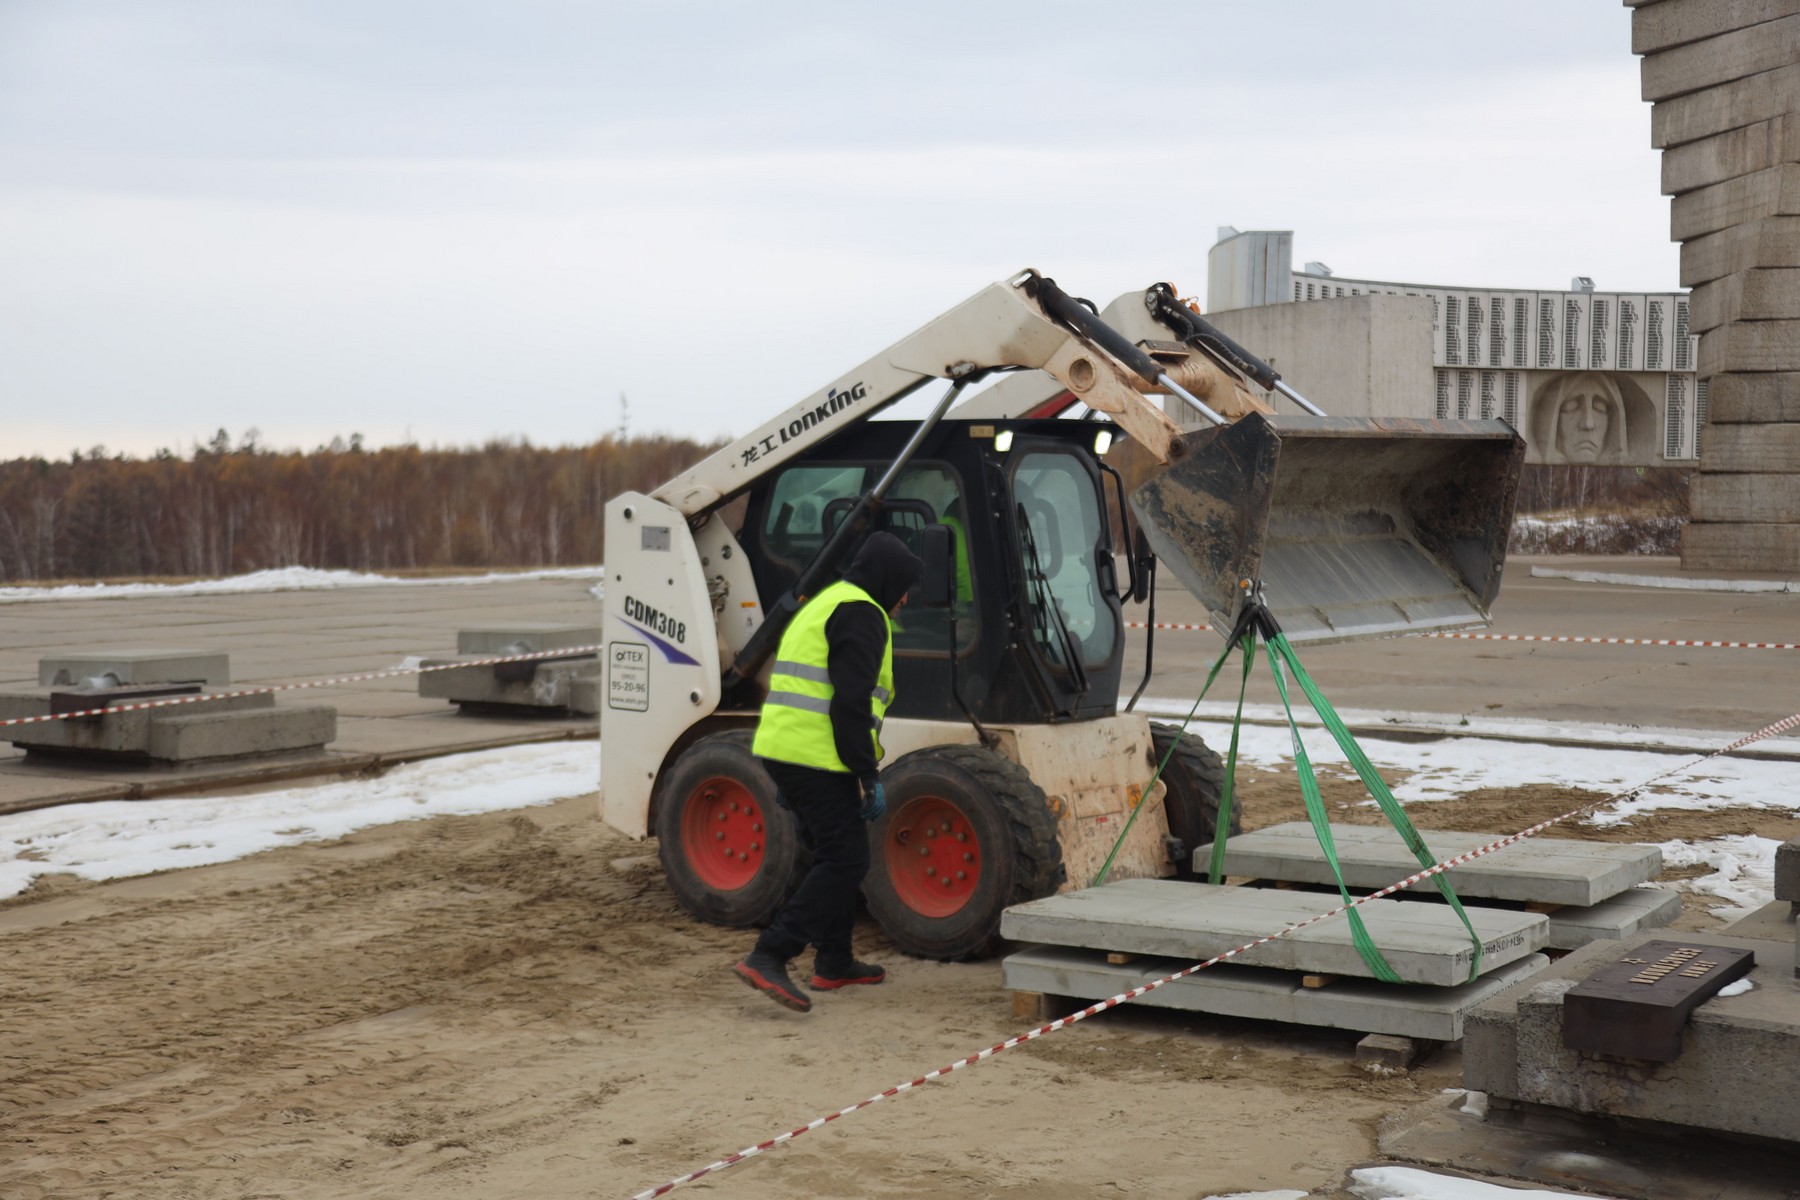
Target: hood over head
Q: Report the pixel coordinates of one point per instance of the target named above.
(885, 568)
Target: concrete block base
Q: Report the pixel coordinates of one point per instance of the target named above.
(1385, 1054)
(525, 637)
(135, 665)
(554, 689)
(222, 728)
(1732, 1075)
(1747, 397)
(1425, 1013)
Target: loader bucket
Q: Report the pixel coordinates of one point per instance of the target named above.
(1355, 527)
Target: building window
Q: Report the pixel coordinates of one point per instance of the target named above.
(1296, 289)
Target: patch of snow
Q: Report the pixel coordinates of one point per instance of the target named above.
(1737, 987)
(1743, 870)
(1283, 1194)
(279, 579)
(1476, 1105)
(1411, 1183)
(114, 839)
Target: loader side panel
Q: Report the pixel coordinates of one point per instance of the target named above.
(661, 652)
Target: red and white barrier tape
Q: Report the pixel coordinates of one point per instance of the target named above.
(1186, 626)
(731, 1160)
(201, 697)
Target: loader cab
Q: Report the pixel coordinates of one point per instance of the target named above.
(1035, 613)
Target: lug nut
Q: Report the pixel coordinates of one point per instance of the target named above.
(757, 828)
(967, 857)
(929, 871)
(720, 835)
(930, 831)
(743, 857)
(946, 827)
(734, 806)
(962, 874)
(721, 816)
(755, 846)
(946, 881)
(962, 837)
(923, 851)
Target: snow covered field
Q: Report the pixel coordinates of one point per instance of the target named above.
(281, 579)
(114, 839)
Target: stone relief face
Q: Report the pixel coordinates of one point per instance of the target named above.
(1588, 423)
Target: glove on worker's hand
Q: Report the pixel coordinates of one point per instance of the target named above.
(874, 801)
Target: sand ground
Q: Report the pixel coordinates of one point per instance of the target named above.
(513, 1005)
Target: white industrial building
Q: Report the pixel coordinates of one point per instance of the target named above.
(1587, 376)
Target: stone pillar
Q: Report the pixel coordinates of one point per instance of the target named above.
(1723, 77)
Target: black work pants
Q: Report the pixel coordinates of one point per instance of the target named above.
(822, 912)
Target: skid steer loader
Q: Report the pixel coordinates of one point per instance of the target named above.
(1011, 769)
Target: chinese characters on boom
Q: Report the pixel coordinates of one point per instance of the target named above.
(835, 402)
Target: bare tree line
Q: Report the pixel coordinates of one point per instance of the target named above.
(225, 511)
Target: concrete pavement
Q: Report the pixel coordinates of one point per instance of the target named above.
(290, 637)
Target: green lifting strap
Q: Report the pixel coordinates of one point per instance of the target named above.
(1281, 652)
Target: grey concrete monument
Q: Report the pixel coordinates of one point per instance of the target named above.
(1724, 82)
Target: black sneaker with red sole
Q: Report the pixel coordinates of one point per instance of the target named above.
(768, 975)
(856, 972)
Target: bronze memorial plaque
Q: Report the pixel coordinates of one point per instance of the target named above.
(1635, 1005)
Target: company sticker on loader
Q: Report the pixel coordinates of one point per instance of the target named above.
(628, 676)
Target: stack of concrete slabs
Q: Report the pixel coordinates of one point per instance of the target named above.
(1591, 888)
(1430, 1013)
(1422, 943)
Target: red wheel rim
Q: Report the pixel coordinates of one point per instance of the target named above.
(932, 855)
(723, 833)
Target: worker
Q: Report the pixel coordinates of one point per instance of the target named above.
(818, 738)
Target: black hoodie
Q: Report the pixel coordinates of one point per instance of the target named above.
(855, 638)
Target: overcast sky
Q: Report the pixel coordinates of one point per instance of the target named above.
(446, 222)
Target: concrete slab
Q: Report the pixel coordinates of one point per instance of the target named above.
(1544, 870)
(1771, 242)
(1628, 912)
(527, 636)
(200, 736)
(1737, 1065)
(1433, 1013)
(1730, 154)
(1769, 396)
(1727, 56)
(1768, 546)
(1656, 26)
(1754, 499)
(1767, 447)
(135, 665)
(1727, 106)
(1423, 943)
(1750, 346)
(1774, 192)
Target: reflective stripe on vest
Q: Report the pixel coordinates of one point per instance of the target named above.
(795, 726)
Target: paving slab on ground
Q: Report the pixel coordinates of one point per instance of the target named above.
(1423, 943)
(1433, 1013)
(1539, 870)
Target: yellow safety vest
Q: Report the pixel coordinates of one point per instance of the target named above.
(796, 717)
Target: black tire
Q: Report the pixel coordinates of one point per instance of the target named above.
(758, 841)
(1196, 784)
(1000, 829)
